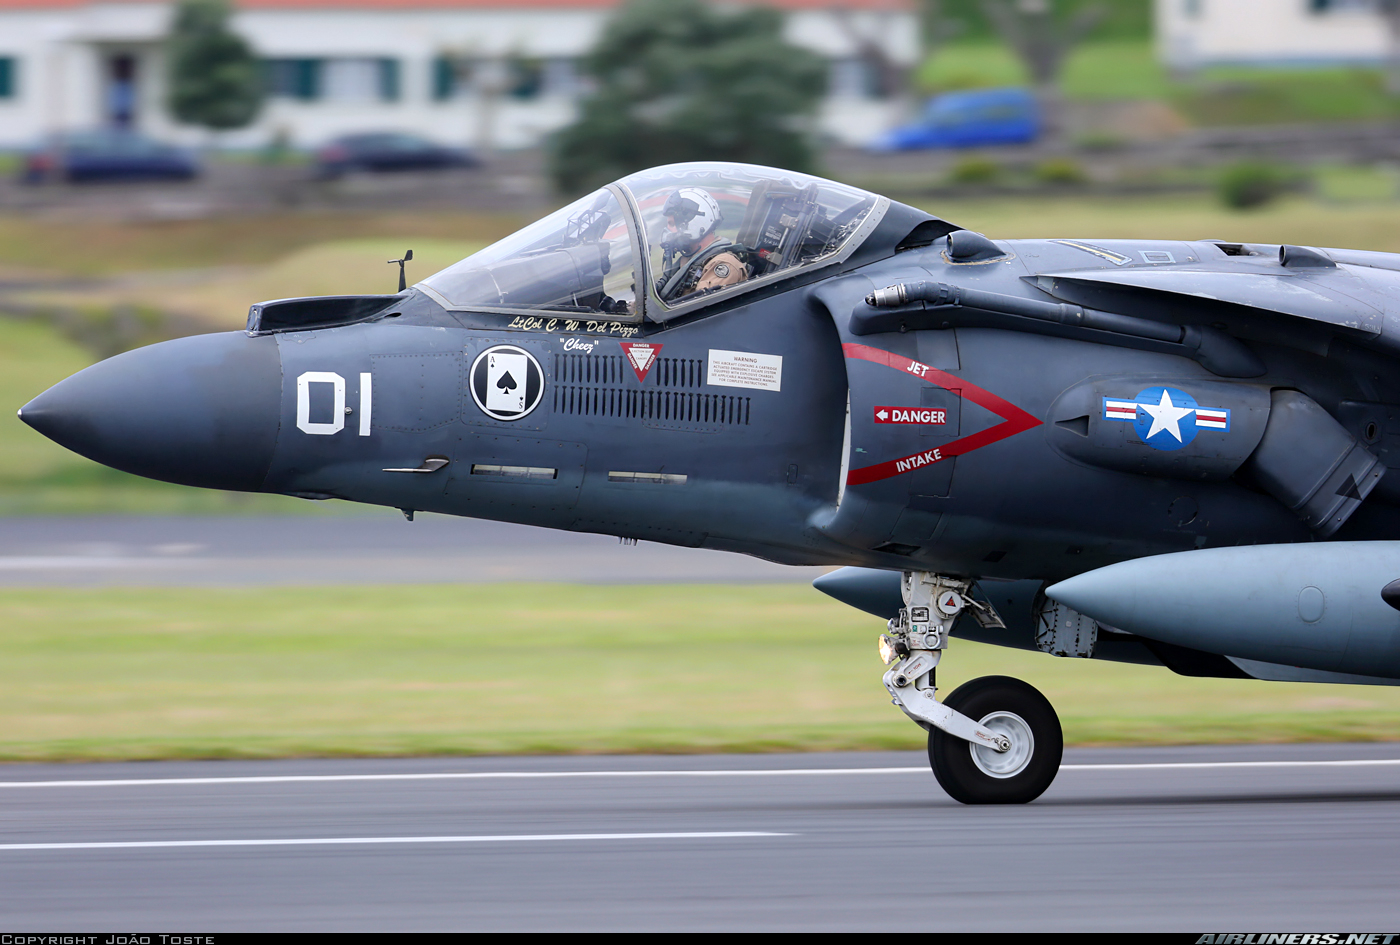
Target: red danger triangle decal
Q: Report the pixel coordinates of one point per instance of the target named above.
(1015, 419)
(641, 355)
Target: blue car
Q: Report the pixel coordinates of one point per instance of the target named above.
(107, 155)
(968, 120)
(387, 151)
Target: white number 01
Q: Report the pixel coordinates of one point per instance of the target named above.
(337, 421)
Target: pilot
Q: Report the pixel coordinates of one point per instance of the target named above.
(695, 257)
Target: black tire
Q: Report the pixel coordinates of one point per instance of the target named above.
(955, 762)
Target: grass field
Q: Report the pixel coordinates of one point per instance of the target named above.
(218, 300)
(1217, 96)
(1123, 69)
(1364, 224)
(30, 246)
(158, 673)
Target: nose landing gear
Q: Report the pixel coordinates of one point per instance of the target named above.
(974, 774)
(994, 740)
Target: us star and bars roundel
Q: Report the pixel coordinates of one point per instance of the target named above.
(507, 382)
(1166, 418)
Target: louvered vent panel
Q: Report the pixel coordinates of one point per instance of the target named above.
(590, 385)
(608, 369)
(588, 369)
(679, 372)
(663, 405)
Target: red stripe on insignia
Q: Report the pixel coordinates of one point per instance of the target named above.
(1016, 419)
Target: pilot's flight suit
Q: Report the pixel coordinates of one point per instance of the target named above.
(718, 266)
(722, 270)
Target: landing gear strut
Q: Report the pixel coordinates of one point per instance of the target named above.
(994, 740)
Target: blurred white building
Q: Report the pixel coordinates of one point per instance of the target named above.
(1195, 33)
(483, 73)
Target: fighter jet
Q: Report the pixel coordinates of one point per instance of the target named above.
(1154, 451)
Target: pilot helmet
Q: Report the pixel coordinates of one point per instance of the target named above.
(695, 214)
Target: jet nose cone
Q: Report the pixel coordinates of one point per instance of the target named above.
(200, 411)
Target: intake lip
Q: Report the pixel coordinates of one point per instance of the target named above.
(199, 411)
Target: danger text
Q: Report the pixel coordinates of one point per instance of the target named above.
(933, 415)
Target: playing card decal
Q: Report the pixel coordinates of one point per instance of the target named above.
(506, 382)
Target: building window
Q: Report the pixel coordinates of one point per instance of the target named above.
(852, 78)
(389, 80)
(9, 77)
(519, 77)
(337, 80)
(524, 78)
(444, 79)
(1341, 6)
(351, 80)
(293, 78)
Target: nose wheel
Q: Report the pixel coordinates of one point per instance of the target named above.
(977, 774)
(994, 740)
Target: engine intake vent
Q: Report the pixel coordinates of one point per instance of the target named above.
(1310, 463)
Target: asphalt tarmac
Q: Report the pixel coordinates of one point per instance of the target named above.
(1241, 839)
(376, 547)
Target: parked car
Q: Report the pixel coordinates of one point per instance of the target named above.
(387, 151)
(106, 155)
(967, 120)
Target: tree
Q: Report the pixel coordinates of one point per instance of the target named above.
(1122, 20)
(1390, 9)
(214, 79)
(677, 80)
(1043, 40)
(936, 27)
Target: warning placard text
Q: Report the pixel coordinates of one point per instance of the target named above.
(745, 369)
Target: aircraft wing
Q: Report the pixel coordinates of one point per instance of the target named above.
(1258, 299)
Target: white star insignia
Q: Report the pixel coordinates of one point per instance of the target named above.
(1166, 416)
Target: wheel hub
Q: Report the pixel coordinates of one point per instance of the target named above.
(1013, 761)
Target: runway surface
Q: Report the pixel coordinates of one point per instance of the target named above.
(1276, 838)
(378, 547)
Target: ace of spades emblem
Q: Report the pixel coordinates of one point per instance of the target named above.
(506, 382)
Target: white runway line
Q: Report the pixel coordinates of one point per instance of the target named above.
(673, 773)
(466, 776)
(322, 841)
(70, 562)
(1150, 766)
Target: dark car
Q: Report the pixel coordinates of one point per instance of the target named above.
(107, 155)
(388, 151)
(968, 120)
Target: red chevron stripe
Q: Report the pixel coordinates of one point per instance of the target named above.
(1016, 419)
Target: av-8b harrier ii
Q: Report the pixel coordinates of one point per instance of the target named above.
(1153, 451)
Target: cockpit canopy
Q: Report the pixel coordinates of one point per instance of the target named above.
(663, 242)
